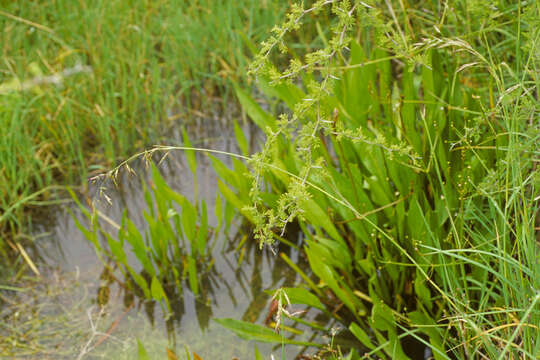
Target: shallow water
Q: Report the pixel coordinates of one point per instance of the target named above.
(77, 302)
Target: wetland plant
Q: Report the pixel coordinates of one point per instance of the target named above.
(84, 85)
(407, 155)
(174, 247)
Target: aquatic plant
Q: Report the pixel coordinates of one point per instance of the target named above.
(406, 175)
(84, 85)
(407, 156)
(171, 250)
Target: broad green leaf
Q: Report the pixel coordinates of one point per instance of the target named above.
(385, 79)
(117, 250)
(192, 275)
(249, 331)
(160, 194)
(202, 234)
(422, 291)
(156, 289)
(394, 348)
(354, 89)
(224, 172)
(330, 277)
(377, 191)
(302, 296)
(157, 179)
(367, 264)
(441, 210)
(352, 355)
(302, 274)
(83, 209)
(241, 139)
(395, 272)
(258, 355)
(382, 318)
(400, 219)
(277, 164)
(141, 351)
(361, 335)
(231, 197)
(415, 220)
(408, 111)
(339, 251)
(349, 190)
(244, 182)
(135, 238)
(400, 175)
(139, 280)
(316, 216)
(391, 344)
(89, 235)
(255, 111)
(148, 198)
(429, 327)
(189, 223)
(156, 236)
(176, 197)
(286, 92)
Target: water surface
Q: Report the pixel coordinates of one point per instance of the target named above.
(79, 309)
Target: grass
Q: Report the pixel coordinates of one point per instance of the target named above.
(127, 72)
(407, 155)
(411, 164)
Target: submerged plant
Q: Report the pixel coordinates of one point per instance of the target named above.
(174, 247)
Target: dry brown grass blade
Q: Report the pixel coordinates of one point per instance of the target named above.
(27, 22)
(113, 326)
(27, 259)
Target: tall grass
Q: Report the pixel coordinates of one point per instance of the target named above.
(146, 64)
(410, 160)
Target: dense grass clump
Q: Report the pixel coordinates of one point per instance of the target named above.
(409, 159)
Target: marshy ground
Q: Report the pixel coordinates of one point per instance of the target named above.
(175, 173)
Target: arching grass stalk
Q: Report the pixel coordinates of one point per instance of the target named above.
(131, 78)
(147, 155)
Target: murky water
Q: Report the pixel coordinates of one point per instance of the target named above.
(79, 310)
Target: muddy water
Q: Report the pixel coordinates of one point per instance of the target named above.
(79, 310)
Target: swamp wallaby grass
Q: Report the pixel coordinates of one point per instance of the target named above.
(408, 156)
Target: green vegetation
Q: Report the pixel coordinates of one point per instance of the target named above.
(125, 72)
(173, 248)
(408, 159)
(407, 154)
(413, 174)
